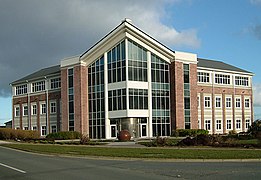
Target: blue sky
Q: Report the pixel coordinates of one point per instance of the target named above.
(37, 34)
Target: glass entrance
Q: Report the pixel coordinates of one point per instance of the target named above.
(143, 129)
(113, 131)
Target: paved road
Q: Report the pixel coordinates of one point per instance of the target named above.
(19, 165)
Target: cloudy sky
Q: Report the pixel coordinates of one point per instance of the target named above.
(36, 34)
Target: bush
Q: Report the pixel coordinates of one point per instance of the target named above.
(188, 132)
(255, 128)
(13, 134)
(64, 135)
(84, 139)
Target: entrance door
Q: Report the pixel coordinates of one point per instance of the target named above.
(143, 129)
(113, 131)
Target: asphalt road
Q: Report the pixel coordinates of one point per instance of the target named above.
(20, 165)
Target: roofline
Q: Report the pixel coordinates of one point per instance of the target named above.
(129, 25)
(224, 70)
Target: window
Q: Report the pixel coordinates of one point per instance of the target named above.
(43, 108)
(43, 132)
(19, 90)
(229, 124)
(222, 79)
(228, 102)
(203, 77)
(247, 123)
(25, 110)
(55, 83)
(54, 130)
(137, 63)
(25, 128)
(38, 86)
(208, 124)
(71, 98)
(218, 102)
(53, 107)
(117, 99)
(247, 103)
(138, 99)
(17, 111)
(34, 109)
(238, 124)
(207, 102)
(34, 128)
(218, 125)
(241, 81)
(238, 102)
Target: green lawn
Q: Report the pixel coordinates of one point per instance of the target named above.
(162, 153)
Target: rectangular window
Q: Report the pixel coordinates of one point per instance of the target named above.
(208, 125)
(222, 79)
(228, 102)
(138, 99)
(34, 109)
(238, 102)
(55, 83)
(25, 110)
(43, 131)
(38, 86)
(207, 102)
(17, 111)
(238, 124)
(203, 77)
(43, 108)
(247, 124)
(22, 89)
(247, 103)
(241, 81)
(229, 124)
(218, 125)
(218, 102)
(53, 107)
(54, 130)
(34, 128)
(25, 128)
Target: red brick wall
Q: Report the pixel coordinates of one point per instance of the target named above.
(193, 97)
(81, 99)
(64, 100)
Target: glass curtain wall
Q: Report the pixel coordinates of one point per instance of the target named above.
(71, 99)
(186, 96)
(160, 96)
(96, 99)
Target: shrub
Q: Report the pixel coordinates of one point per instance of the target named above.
(188, 132)
(255, 128)
(13, 134)
(64, 135)
(84, 139)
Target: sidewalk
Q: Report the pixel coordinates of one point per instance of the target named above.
(129, 144)
(4, 142)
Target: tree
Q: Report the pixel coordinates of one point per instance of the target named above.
(255, 129)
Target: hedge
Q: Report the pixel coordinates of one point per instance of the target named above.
(14, 134)
(64, 135)
(189, 132)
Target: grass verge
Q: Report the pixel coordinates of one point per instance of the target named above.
(158, 153)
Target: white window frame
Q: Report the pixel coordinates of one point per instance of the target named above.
(248, 124)
(222, 79)
(24, 114)
(26, 128)
(207, 101)
(38, 86)
(56, 83)
(218, 102)
(228, 102)
(207, 124)
(203, 77)
(34, 109)
(17, 111)
(238, 103)
(247, 103)
(54, 127)
(53, 107)
(218, 124)
(241, 81)
(43, 108)
(21, 89)
(43, 131)
(238, 124)
(34, 128)
(229, 124)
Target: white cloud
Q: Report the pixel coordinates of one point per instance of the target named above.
(255, 2)
(257, 94)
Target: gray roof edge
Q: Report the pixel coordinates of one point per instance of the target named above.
(38, 75)
(226, 66)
